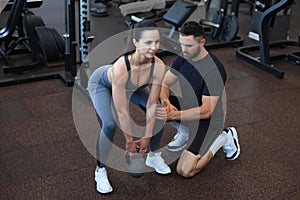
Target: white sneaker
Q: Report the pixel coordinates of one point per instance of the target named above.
(102, 182)
(179, 142)
(232, 147)
(155, 161)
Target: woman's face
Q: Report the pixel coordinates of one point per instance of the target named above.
(148, 44)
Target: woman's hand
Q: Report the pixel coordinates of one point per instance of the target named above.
(142, 144)
(131, 146)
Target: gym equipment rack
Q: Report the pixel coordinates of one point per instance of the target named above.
(264, 61)
(68, 75)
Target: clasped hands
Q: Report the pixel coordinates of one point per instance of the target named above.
(138, 146)
(166, 113)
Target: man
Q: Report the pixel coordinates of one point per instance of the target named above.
(202, 78)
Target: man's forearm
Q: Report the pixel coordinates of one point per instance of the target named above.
(196, 113)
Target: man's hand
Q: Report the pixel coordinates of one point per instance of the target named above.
(167, 112)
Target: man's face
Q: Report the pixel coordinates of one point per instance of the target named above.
(189, 46)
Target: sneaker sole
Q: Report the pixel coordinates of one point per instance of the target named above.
(236, 142)
(102, 191)
(175, 149)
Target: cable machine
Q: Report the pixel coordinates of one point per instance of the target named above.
(269, 26)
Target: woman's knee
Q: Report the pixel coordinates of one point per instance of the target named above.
(109, 129)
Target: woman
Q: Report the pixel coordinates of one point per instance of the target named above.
(136, 77)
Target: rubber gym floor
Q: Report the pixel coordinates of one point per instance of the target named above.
(42, 156)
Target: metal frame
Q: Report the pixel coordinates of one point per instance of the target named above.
(68, 75)
(264, 61)
(170, 42)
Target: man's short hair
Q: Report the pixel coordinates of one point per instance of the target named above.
(192, 28)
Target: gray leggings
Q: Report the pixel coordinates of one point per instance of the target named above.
(101, 97)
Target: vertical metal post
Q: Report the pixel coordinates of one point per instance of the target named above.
(84, 28)
(84, 39)
(70, 38)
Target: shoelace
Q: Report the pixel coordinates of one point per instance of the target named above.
(159, 159)
(101, 177)
(228, 148)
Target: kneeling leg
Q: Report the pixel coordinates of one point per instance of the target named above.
(190, 164)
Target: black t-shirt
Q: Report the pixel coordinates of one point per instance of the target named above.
(204, 77)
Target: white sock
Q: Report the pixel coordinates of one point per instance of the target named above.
(219, 142)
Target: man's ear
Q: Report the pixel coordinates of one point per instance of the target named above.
(202, 41)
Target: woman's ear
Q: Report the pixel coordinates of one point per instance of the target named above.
(134, 42)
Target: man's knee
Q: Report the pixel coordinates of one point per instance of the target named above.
(187, 164)
(187, 173)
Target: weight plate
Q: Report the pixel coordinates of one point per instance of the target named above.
(59, 41)
(230, 28)
(30, 21)
(47, 44)
(217, 19)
